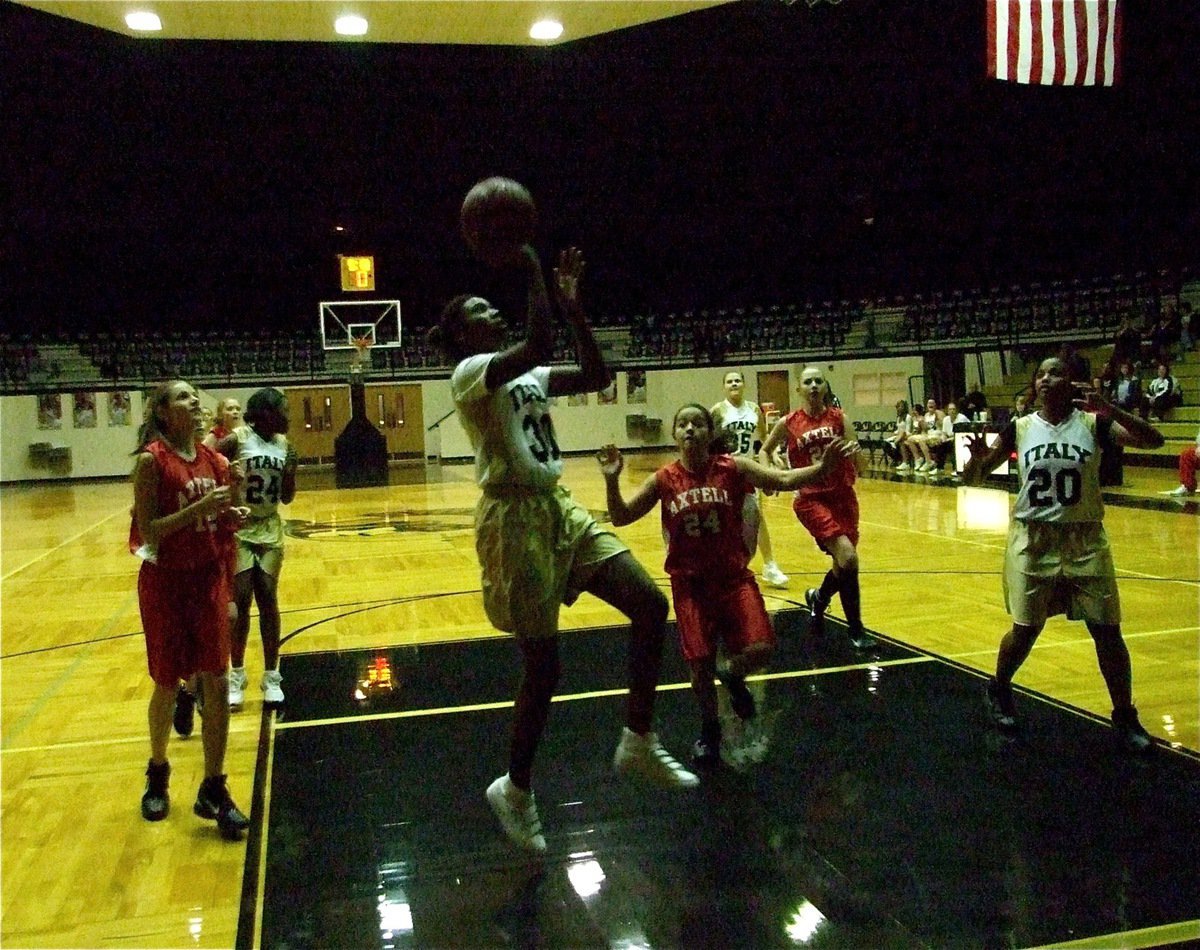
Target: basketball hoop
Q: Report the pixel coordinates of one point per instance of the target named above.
(362, 345)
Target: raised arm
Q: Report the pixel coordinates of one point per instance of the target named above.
(776, 440)
(538, 345)
(1127, 428)
(620, 511)
(770, 478)
(984, 458)
(592, 374)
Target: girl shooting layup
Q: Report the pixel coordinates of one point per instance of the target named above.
(537, 547)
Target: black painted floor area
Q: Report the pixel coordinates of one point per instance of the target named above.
(868, 806)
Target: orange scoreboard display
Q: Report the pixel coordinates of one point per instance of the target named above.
(358, 273)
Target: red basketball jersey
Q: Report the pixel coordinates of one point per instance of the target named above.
(709, 519)
(180, 483)
(807, 440)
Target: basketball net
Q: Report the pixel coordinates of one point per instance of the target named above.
(362, 345)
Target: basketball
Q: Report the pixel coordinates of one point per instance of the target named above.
(498, 218)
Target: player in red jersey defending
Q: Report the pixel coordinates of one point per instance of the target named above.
(710, 525)
(828, 510)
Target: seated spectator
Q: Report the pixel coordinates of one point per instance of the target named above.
(1188, 460)
(930, 436)
(891, 445)
(1127, 390)
(1186, 342)
(1162, 394)
(944, 448)
(974, 402)
(910, 454)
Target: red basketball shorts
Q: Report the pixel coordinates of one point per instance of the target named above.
(185, 616)
(708, 614)
(826, 516)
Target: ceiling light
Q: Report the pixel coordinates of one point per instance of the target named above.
(143, 21)
(350, 25)
(546, 30)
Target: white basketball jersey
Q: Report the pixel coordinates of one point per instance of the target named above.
(509, 428)
(740, 424)
(1058, 468)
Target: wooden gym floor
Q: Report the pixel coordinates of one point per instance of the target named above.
(870, 806)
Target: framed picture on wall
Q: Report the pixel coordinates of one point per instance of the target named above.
(118, 409)
(49, 411)
(635, 386)
(84, 411)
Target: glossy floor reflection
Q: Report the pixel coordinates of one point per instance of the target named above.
(869, 806)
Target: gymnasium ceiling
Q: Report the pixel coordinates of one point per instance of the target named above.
(484, 22)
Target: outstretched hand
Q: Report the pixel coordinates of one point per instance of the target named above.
(610, 460)
(1089, 399)
(567, 275)
(977, 445)
(834, 452)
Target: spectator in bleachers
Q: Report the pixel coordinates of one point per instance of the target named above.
(1126, 343)
(1186, 342)
(1127, 390)
(1162, 394)
(1163, 335)
(1189, 458)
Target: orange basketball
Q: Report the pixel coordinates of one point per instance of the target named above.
(498, 218)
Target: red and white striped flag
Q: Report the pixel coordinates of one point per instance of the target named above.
(1054, 42)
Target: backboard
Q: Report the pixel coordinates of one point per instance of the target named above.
(344, 321)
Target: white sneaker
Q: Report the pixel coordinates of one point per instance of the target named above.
(643, 756)
(272, 687)
(517, 813)
(773, 575)
(903, 467)
(921, 466)
(237, 687)
(1177, 490)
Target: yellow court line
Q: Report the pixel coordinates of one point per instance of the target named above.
(62, 544)
(575, 697)
(1161, 936)
(91, 743)
(1043, 644)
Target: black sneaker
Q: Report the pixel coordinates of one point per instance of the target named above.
(1001, 708)
(862, 641)
(816, 606)
(213, 802)
(1130, 734)
(706, 753)
(185, 712)
(739, 695)
(156, 802)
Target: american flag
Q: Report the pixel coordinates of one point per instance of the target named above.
(1054, 42)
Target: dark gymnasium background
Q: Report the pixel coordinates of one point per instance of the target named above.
(726, 156)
